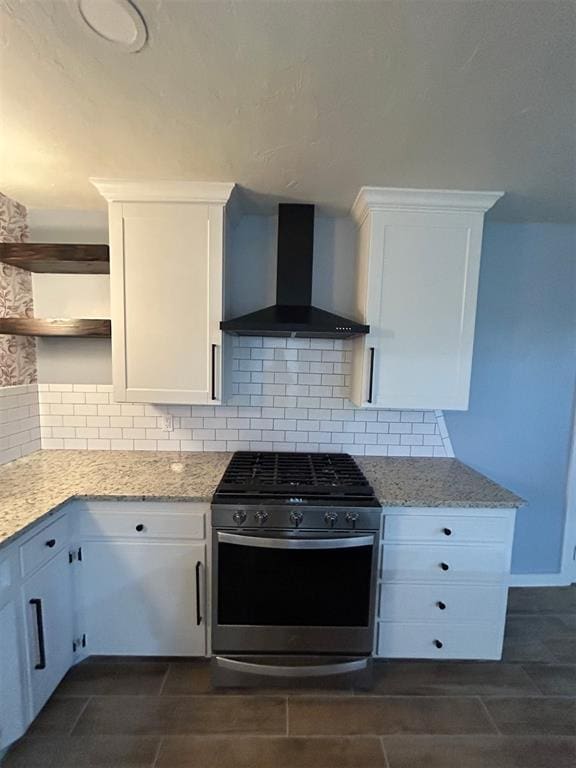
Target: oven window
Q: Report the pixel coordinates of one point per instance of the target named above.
(291, 587)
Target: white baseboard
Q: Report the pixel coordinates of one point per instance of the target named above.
(538, 580)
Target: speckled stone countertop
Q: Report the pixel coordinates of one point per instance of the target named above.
(423, 482)
(37, 485)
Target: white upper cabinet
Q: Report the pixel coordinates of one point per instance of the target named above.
(419, 259)
(167, 289)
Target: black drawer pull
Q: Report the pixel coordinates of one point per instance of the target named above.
(444, 566)
(371, 378)
(441, 605)
(438, 643)
(37, 603)
(447, 531)
(198, 613)
(213, 393)
(51, 543)
(139, 527)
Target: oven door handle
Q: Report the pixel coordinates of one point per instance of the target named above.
(279, 670)
(246, 540)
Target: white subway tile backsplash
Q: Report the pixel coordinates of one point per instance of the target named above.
(271, 342)
(400, 428)
(96, 397)
(74, 397)
(145, 445)
(289, 394)
(85, 410)
(354, 426)
(411, 439)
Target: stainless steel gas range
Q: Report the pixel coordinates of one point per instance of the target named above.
(295, 545)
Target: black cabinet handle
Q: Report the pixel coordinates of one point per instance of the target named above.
(139, 527)
(51, 543)
(441, 605)
(198, 614)
(371, 379)
(37, 603)
(444, 566)
(447, 531)
(438, 643)
(213, 371)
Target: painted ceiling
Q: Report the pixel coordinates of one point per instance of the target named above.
(296, 100)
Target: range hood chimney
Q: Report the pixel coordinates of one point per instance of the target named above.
(293, 314)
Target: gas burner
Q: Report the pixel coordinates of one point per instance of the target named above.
(293, 478)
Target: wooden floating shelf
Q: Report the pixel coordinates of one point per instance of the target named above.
(57, 258)
(35, 326)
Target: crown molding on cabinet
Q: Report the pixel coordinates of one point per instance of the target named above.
(163, 191)
(421, 200)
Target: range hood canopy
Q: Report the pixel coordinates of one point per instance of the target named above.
(293, 313)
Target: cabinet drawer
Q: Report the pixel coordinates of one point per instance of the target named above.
(446, 528)
(142, 525)
(403, 562)
(430, 640)
(44, 545)
(442, 603)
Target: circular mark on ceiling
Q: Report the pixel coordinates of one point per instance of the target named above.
(117, 22)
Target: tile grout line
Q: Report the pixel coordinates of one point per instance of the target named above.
(164, 679)
(158, 750)
(539, 691)
(489, 716)
(77, 720)
(384, 753)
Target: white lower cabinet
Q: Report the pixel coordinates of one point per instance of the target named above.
(143, 598)
(13, 721)
(121, 578)
(440, 602)
(443, 583)
(49, 623)
(437, 640)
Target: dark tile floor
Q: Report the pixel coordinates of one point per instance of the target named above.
(520, 713)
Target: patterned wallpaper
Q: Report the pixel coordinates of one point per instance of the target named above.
(17, 353)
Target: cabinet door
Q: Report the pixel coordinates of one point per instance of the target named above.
(166, 288)
(143, 598)
(49, 628)
(420, 282)
(12, 708)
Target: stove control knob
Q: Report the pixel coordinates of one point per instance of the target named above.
(296, 517)
(352, 518)
(331, 518)
(261, 516)
(239, 517)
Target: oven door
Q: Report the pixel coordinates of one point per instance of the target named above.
(293, 592)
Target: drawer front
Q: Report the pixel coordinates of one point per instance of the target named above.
(441, 603)
(419, 640)
(44, 545)
(446, 528)
(142, 525)
(403, 562)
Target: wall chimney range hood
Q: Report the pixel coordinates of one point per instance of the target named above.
(293, 314)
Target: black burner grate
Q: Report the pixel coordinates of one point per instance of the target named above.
(293, 474)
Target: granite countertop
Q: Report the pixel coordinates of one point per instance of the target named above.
(37, 485)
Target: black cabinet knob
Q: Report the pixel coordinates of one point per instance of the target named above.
(444, 566)
(438, 643)
(51, 543)
(139, 527)
(447, 531)
(441, 605)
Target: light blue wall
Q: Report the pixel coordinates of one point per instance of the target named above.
(518, 427)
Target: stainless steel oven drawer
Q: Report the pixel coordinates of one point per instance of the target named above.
(291, 671)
